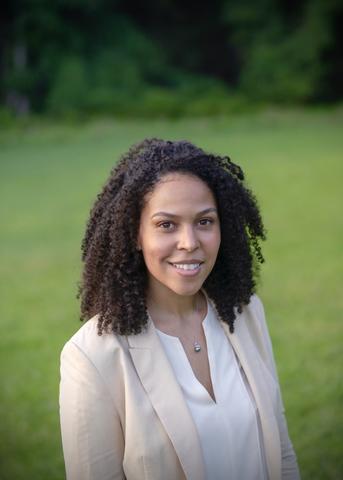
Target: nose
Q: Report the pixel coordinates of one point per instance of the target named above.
(188, 239)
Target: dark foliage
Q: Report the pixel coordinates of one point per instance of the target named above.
(147, 58)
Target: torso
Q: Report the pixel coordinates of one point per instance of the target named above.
(226, 434)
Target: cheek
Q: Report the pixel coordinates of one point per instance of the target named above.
(213, 250)
(156, 250)
(213, 242)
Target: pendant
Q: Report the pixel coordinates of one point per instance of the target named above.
(197, 347)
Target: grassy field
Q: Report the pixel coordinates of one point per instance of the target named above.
(50, 175)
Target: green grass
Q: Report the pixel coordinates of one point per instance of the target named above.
(50, 175)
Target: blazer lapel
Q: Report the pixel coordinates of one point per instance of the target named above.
(167, 399)
(248, 355)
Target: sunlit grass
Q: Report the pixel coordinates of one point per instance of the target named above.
(50, 176)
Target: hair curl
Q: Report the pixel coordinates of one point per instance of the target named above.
(114, 279)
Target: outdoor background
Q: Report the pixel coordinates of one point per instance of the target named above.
(80, 81)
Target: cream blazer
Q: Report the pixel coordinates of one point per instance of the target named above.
(123, 414)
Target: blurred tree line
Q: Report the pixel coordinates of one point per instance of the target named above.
(168, 57)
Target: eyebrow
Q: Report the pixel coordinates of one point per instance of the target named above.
(172, 215)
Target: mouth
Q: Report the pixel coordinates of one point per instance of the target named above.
(188, 269)
(187, 266)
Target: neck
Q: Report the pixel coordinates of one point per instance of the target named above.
(167, 306)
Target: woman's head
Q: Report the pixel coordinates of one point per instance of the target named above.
(179, 235)
(125, 249)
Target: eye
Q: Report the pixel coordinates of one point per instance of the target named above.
(204, 222)
(166, 225)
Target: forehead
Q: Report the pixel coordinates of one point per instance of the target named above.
(176, 191)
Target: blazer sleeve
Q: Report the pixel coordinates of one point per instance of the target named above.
(290, 469)
(92, 437)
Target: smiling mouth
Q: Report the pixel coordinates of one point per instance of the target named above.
(186, 266)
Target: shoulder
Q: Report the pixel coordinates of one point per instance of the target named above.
(100, 351)
(254, 316)
(256, 306)
(254, 319)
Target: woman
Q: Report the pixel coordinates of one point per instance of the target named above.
(173, 376)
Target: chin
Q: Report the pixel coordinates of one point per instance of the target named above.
(186, 291)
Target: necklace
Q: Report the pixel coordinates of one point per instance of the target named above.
(196, 344)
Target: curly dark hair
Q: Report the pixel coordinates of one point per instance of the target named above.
(114, 280)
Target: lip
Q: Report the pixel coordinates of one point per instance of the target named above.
(187, 273)
(187, 262)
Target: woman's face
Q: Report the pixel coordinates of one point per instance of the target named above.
(179, 234)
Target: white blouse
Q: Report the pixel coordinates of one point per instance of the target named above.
(228, 429)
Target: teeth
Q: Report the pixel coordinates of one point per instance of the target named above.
(186, 266)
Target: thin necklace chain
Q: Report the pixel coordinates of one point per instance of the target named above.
(196, 345)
